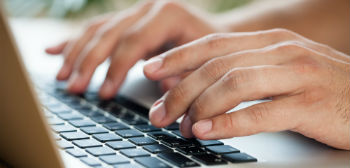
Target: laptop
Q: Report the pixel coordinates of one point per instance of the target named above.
(41, 125)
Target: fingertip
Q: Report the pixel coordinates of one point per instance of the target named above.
(186, 127)
(63, 73)
(76, 84)
(152, 67)
(201, 129)
(107, 89)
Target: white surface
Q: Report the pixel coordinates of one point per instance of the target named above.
(285, 149)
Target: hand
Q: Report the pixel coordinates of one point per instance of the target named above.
(308, 84)
(136, 33)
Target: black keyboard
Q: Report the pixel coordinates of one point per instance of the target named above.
(117, 133)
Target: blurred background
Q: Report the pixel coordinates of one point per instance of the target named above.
(79, 9)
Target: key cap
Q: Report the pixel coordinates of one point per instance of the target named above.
(76, 152)
(239, 157)
(98, 151)
(127, 166)
(82, 123)
(151, 162)
(115, 126)
(102, 119)
(178, 160)
(209, 159)
(173, 126)
(142, 141)
(107, 137)
(131, 153)
(63, 144)
(176, 142)
(63, 128)
(191, 150)
(60, 110)
(147, 128)
(222, 149)
(206, 142)
(178, 133)
(74, 136)
(157, 148)
(134, 121)
(70, 116)
(90, 161)
(87, 143)
(129, 133)
(117, 145)
(55, 121)
(160, 135)
(94, 130)
(114, 159)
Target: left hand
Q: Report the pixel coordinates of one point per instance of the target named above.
(307, 82)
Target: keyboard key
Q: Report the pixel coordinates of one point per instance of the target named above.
(70, 116)
(178, 133)
(222, 149)
(117, 145)
(151, 162)
(63, 128)
(133, 121)
(209, 159)
(55, 121)
(157, 148)
(178, 159)
(114, 159)
(82, 123)
(87, 143)
(142, 141)
(98, 151)
(76, 152)
(239, 158)
(74, 136)
(60, 110)
(63, 144)
(131, 153)
(129, 133)
(115, 126)
(206, 142)
(90, 161)
(94, 130)
(128, 165)
(102, 119)
(147, 128)
(191, 150)
(160, 135)
(107, 137)
(176, 142)
(173, 126)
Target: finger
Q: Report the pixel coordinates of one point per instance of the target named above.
(169, 83)
(277, 115)
(57, 49)
(182, 95)
(140, 40)
(243, 84)
(102, 46)
(73, 49)
(196, 53)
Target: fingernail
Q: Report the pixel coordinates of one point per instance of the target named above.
(157, 112)
(186, 127)
(204, 126)
(107, 87)
(153, 65)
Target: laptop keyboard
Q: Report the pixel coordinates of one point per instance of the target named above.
(117, 133)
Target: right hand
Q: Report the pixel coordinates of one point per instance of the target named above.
(138, 32)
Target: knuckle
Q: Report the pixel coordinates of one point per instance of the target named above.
(305, 64)
(177, 94)
(215, 40)
(235, 78)
(179, 55)
(257, 113)
(214, 68)
(168, 5)
(295, 46)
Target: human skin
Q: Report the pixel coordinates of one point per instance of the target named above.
(145, 29)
